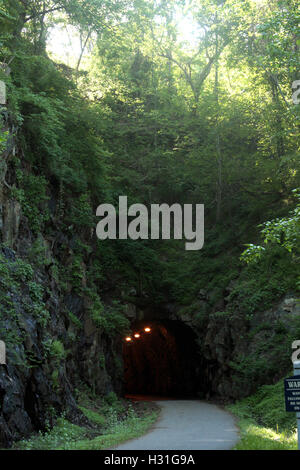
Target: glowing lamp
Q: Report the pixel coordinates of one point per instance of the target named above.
(136, 335)
(147, 329)
(128, 338)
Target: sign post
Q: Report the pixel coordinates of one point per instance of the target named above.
(292, 395)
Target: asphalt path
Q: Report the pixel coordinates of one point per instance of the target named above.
(188, 425)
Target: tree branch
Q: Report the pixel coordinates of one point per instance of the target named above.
(31, 17)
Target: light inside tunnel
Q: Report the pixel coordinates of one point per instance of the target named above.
(137, 335)
(128, 338)
(163, 363)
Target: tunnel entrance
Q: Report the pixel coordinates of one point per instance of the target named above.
(162, 361)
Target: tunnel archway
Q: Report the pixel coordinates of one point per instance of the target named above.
(163, 361)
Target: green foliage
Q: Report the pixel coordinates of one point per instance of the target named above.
(81, 213)
(76, 322)
(118, 432)
(111, 398)
(93, 416)
(271, 355)
(255, 437)
(110, 318)
(268, 408)
(112, 423)
(252, 253)
(55, 379)
(262, 284)
(39, 253)
(143, 119)
(68, 436)
(63, 433)
(264, 423)
(22, 271)
(117, 323)
(3, 138)
(284, 232)
(57, 350)
(32, 195)
(20, 296)
(76, 273)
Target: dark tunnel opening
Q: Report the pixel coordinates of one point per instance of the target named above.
(162, 362)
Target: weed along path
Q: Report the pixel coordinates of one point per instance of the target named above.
(187, 425)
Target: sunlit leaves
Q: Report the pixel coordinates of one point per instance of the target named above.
(284, 232)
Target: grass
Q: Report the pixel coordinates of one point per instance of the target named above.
(133, 426)
(112, 422)
(255, 437)
(264, 424)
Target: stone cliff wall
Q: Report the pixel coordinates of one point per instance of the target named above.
(54, 344)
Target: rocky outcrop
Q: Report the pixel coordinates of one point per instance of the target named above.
(48, 355)
(248, 352)
(53, 345)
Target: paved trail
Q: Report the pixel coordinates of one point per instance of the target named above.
(187, 425)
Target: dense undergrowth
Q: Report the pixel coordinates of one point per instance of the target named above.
(264, 424)
(110, 422)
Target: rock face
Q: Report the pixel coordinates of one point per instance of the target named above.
(57, 341)
(52, 342)
(46, 357)
(11, 214)
(246, 353)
